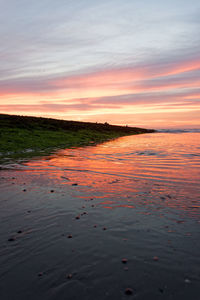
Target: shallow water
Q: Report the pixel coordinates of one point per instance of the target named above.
(136, 197)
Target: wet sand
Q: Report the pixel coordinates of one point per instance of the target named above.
(92, 222)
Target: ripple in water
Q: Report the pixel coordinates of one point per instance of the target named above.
(70, 219)
(163, 164)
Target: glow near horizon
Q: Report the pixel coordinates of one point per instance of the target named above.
(115, 61)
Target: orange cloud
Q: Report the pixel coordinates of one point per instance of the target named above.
(184, 66)
(120, 78)
(129, 90)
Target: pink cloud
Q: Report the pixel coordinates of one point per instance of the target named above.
(155, 75)
(162, 86)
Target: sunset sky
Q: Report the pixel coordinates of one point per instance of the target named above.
(119, 61)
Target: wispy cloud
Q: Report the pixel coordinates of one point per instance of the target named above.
(107, 58)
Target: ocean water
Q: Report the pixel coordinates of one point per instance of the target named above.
(68, 220)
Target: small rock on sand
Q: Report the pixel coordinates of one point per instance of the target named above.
(155, 258)
(12, 239)
(64, 177)
(128, 291)
(179, 221)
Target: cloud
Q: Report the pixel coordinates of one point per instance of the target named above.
(99, 57)
(151, 98)
(52, 107)
(155, 75)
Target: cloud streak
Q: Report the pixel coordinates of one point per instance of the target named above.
(93, 59)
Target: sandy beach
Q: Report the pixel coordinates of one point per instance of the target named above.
(116, 221)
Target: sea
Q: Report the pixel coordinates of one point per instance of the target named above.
(119, 220)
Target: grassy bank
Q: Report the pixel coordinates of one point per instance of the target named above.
(22, 137)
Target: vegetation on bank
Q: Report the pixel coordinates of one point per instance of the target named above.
(22, 136)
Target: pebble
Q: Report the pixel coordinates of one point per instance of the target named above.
(104, 228)
(24, 190)
(124, 260)
(74, 184)
(40, 274)
(19, 231)
(69, 236)
(155, 258)
(12, 239)
(64, 177)
(128, 291)
(52, 191)
(77, 217)
(69, 276)
(179, 221)
(187, 280)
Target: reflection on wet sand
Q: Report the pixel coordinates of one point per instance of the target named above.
(164, 167)
(112, 221)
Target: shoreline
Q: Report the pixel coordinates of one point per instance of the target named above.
(24, 137)
(92, 222)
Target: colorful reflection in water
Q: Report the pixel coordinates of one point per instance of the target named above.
(152, 170)
(136, 198)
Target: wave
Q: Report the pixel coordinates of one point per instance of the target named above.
(179, 130)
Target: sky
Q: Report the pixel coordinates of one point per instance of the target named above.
(127, 62)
